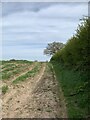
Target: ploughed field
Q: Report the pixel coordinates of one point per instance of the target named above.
(30, 90)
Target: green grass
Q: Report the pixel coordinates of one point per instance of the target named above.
(8, 65)
(6, 76)
(0, 63)
(15, 67)
(28, 74)
(4, 89)
(7, 69)
(14, 70)
(5, 62)
(74, 86)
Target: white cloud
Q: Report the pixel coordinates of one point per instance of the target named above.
(54, 23)
(65, 10)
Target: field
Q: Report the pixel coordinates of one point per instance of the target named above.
(30, 90)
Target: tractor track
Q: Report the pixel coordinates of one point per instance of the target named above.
(36, 98)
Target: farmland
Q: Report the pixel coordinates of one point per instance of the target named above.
(30, 90)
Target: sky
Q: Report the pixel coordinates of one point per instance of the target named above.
(27, 28)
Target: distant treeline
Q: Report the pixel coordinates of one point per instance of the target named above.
(76, 50)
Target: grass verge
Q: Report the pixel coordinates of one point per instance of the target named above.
(75, 88)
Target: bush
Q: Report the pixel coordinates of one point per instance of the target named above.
(76, 50)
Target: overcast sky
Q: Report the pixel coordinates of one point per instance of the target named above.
(29, 27)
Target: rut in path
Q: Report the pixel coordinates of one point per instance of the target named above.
(36, 98)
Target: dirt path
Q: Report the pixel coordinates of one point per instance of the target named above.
(36, 98)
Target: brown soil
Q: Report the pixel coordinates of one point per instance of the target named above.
(35, 98)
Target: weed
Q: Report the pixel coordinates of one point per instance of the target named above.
(4, 89)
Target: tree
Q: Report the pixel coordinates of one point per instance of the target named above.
(52, 48)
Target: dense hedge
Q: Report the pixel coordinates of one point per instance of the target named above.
(71, 65)
(76, 50)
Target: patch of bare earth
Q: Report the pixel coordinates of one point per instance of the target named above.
(36, 98)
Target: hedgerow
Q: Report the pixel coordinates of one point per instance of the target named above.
(71, 65)
(76, 50)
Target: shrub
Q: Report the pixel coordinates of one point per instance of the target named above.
(76, 50)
